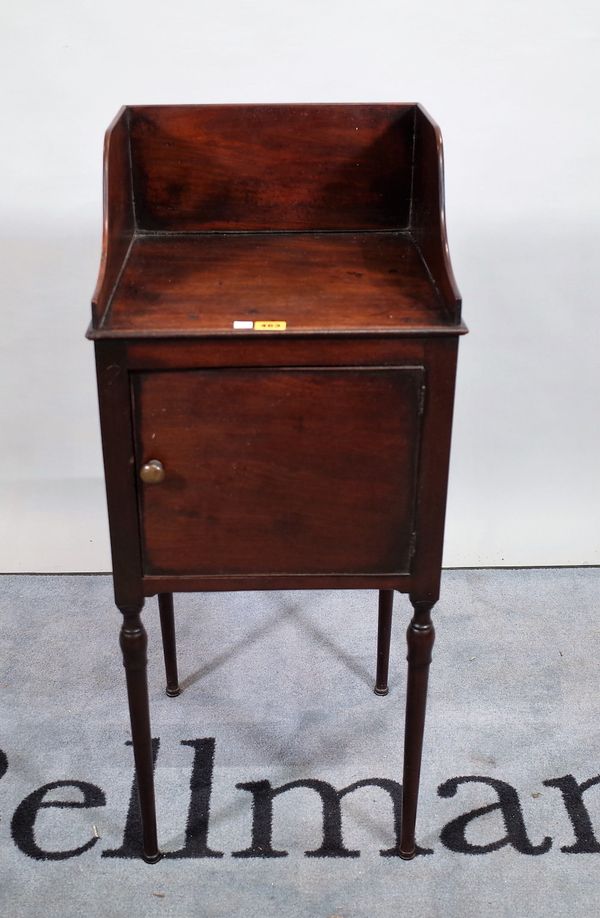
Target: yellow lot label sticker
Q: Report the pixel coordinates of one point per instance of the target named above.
(270, 326)
(264, 325)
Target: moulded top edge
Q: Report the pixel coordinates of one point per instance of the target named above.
(125, 334)
(349, 105)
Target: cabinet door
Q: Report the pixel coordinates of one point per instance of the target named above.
(298, 471)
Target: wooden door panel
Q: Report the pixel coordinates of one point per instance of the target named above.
(304, 471)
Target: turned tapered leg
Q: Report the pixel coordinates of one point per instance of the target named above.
(420, 637)
(384, 631)
(134, 642)
(167, 627)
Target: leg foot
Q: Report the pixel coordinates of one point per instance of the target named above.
(167, 627)
(420, 637)
(152, 858)
(384, 631)
(407, 855)
(134, 642)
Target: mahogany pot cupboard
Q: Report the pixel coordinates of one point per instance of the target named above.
(276, 329)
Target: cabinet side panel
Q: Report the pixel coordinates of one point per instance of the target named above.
(120, 471)
(272, 167)
(440, 359)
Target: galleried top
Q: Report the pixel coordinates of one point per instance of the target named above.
(288, 219)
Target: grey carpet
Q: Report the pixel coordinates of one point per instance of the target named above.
(283, 683)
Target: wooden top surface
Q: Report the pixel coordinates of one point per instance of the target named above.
(200, 284)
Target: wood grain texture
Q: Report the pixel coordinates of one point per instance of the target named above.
(384, 634)
(202, 284)
(134, 645)
(271, 167)
(167, 629)
(119, 472)
(279, 471)
(428, 212)
(434, 461)
(420, 637)
(275, 351)
(305, 458)
(119, 221)
(160, 583)
(318, 170)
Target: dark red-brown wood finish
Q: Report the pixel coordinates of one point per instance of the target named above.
(312, 454)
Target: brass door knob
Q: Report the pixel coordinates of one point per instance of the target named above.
(152, 472)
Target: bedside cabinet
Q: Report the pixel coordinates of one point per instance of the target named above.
(276, 327)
